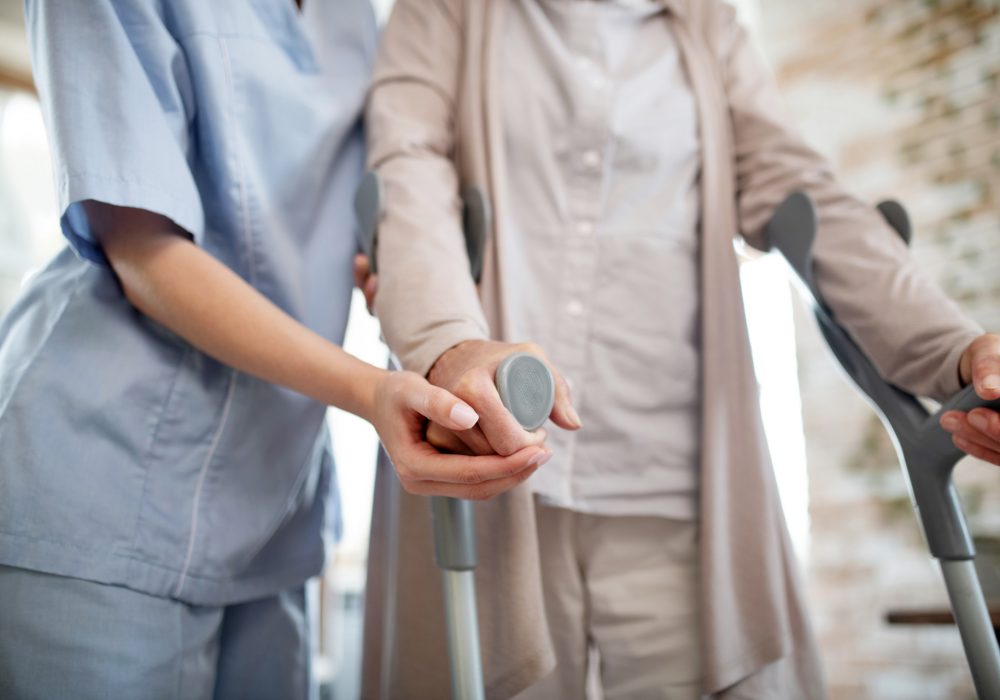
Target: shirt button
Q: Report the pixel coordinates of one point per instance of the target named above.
(593, 72)
(591, 159)
(574, 308)
(584, 228)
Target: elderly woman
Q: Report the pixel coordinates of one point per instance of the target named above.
(623, 143)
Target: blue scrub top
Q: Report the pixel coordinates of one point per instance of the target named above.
(127, 456)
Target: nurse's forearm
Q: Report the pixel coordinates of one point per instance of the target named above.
(176, 283)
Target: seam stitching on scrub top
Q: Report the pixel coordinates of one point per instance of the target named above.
(201, 480)
(238, 166)
(149, 452)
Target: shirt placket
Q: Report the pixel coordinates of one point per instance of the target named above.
(588, 134)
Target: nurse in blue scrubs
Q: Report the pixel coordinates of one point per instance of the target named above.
(165, 475)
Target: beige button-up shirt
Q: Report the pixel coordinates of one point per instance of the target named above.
(602, 236)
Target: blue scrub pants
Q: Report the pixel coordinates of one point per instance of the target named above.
(68, 638)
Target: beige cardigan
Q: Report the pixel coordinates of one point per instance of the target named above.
(432, 124)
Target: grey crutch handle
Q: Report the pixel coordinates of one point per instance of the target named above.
(527, 390)
(368, 210)
(926, 449)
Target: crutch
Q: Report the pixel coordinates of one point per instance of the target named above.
(526, 388)
(925, 450)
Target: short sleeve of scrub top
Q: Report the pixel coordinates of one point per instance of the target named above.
(120, 127)
(127, 456)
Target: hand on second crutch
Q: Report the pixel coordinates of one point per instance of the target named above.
(977, 432)
(468, 371)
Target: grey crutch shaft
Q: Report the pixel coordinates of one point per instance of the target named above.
(974, 625)
(925, 450)
(454, 525)
(527, 389)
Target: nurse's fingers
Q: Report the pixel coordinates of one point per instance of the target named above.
(422, 463)
(438, 406)
(463, 476)
(478, 492)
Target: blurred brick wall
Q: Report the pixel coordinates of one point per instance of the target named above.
(904, 97)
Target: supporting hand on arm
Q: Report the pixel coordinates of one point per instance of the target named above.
(978, 431)
(173, 281)
(468, 370)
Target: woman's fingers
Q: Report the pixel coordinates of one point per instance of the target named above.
(370, 290)
(977, 451)
(986, 421)
(447, 440)
(986, 366)
(362, 270)
(978, 425)
(365, 280)
(503, 433)
(476, 441)
(563, 413)
(976, 432)
(980, 364)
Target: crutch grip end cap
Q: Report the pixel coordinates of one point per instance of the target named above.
(526, 388)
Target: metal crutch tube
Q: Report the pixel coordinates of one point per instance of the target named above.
(526, 388)
(454, 526)
(925, 450)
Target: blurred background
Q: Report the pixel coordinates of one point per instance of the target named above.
(904, 97)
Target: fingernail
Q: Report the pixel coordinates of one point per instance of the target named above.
(950, 423)
(464, 415)
(991, 381)
(978, 421)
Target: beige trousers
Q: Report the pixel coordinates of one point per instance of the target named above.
(623, 607)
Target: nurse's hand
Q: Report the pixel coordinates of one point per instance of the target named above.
(467, 370)
(977, 432)
(403, 404)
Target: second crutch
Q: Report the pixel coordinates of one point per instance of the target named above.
(925, 450)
